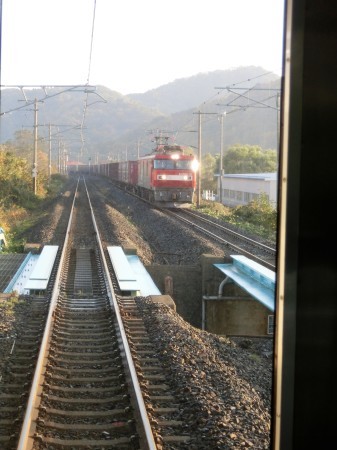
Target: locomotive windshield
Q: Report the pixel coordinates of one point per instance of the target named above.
(172, 164)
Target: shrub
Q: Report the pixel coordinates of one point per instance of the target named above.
(259, 213)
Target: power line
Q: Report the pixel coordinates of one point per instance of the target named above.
(47, 96)
(248, 79)
(85, 104)
(91, 40)
(0, 51)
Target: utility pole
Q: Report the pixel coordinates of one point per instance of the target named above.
(49, 155)
(199, 160)
(199, 153)
(221, 155)
(138, 145)
(277, 122)
(59, 157)
(199, 157)
(34, 171)
(50, 125)
(65, 88)
(64, 160)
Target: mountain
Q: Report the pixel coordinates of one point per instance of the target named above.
(187, 93)
(102, 123)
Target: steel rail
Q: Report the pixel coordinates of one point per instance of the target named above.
(221, 240)
(27, 430)
(209, 233)
(227, 230)
(150, 441)
(28, 420)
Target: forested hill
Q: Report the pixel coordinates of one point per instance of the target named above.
(186, 93)
(104, 122)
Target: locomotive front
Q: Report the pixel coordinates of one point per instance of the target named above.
(173, 178)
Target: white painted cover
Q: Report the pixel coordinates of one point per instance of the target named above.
(39, 277)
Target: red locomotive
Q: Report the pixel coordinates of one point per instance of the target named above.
(166, 177)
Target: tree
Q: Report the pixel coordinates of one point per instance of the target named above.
(15, 181)
(22, 147)
(250, 159)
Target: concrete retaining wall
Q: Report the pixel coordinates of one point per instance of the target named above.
(184, 288)
(188, 285)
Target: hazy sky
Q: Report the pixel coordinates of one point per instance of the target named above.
(137, 45)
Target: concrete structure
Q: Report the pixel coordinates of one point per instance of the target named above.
(234, 313)
(240, 189)
(183, 289)
(255, 279)
(247, 308)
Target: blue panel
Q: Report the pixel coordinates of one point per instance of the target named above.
(247, 278)
(262, 274)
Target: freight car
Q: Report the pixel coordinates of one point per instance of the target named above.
(165, 178)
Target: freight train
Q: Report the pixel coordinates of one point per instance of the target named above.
(166, 177)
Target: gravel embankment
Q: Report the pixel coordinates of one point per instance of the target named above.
(226, 384)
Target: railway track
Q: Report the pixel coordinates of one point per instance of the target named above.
(236, 242)
(190, 382)
(18, 372)
(94, 375)
(232, 241)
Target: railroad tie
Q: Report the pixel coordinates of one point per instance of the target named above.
(83, 272)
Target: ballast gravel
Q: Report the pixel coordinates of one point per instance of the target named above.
(225, 384)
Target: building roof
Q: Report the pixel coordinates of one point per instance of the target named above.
(75, 163)
(257, 176)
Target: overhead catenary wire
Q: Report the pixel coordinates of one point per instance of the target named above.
(88, 89)
(47, 96)
(219, 91)
(85, 104)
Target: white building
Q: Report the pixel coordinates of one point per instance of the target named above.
(240, 189)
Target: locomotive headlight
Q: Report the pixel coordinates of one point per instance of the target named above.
(175, 156)
(195, 165)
